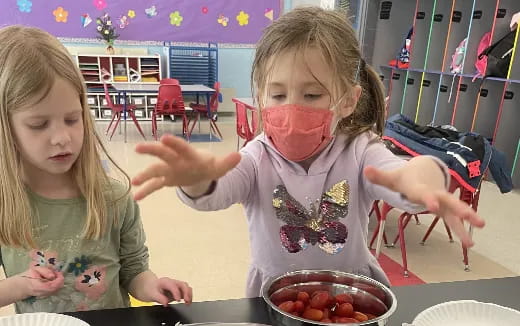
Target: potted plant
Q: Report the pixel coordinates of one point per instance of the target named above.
(107, 32)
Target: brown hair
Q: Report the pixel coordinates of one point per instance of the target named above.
(332, 33)
(30, 62)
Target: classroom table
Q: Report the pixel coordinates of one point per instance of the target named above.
(123, 89)
(411, 300)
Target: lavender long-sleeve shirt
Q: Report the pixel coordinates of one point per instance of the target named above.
(263, 168)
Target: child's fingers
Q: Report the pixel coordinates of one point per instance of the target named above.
(57, 283)
(149, 187)
(174, 290)
(457, 226)
(179, 145)
(461, 210)
(158, 150)
(386, 179)
(153, 171)
(187, 292)
(223, 165)
(44, 272)
(162, 299)
(431, 202)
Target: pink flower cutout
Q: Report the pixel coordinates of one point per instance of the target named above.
(92, 282)
(100, 4)
(205, 10)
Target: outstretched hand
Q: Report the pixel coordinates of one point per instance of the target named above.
(437, 200)
(180, 165)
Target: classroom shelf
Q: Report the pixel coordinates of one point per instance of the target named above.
(121, 69)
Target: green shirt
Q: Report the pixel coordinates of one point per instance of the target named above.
(97, 272)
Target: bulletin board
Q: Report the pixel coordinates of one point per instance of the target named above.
(220, 21)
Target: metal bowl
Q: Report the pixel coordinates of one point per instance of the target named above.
(370, 296)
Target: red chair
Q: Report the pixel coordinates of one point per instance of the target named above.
(166, 81)
(199, 109)
(465, 195)
(117, 110)
(244, 131)
(170, 102)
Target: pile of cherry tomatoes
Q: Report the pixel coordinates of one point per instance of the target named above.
(321, 306)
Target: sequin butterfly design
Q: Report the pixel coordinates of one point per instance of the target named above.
(318, 225)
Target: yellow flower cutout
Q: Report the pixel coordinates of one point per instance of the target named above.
(176, 18)
(60, 15)
(131, 14)
(243, 18)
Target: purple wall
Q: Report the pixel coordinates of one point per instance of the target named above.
(199, 18)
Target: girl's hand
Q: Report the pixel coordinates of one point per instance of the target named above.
(181, 165)
(40, 282)
(434, 197)
(166, 290)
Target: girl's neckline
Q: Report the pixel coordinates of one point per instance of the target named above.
(56, 201)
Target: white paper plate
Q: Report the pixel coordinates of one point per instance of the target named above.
(467, 313)
(41, 319)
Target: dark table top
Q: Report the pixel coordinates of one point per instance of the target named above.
(410, 301)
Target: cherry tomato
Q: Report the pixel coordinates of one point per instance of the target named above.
(332, 302)
(344, 310)
(319, 300)
(360, 316)
(299, 306)
(303, 297)
(313, 314)
(344, 298)
(287, 306)
(327, 313)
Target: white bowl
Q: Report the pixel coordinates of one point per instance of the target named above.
(467, 313)
(41, 319)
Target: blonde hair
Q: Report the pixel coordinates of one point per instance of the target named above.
(332, 33)
(30, 61)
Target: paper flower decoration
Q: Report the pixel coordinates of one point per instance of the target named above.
(24, 5)
(223, 20)
(99, 4)
(176, 18)
(205, 10)
(60, 15)
(131, 14)
(243, 18)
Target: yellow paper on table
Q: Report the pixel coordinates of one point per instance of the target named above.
(136, 303)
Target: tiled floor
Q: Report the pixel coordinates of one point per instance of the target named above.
(211, 250)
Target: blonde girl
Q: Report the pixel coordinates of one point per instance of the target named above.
(71, 238)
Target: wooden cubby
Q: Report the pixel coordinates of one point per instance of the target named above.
(148, 68)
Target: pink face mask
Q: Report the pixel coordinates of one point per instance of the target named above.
(297, 132)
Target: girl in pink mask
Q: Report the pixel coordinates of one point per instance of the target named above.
(308, 181)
